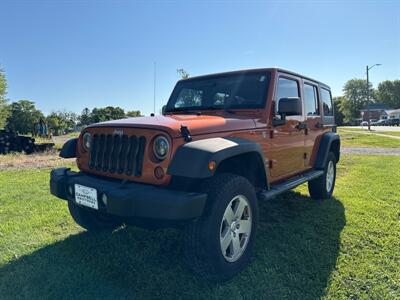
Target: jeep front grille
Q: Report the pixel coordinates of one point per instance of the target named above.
(114, 153)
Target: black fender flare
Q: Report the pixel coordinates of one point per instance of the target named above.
(324, 147)
(191, 159)
(69, 148)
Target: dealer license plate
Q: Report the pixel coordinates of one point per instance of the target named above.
(86, 196)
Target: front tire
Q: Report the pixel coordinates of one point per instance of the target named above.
(92, 220)
(322, 187)
(219, 245)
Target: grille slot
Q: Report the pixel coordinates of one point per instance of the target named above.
(113, 153)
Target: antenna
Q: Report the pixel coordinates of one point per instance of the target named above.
(154, 92)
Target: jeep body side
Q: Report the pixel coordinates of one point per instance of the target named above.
(224, 142)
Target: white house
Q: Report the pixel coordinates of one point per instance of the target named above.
(393, 114)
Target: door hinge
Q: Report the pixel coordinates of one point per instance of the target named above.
(271, 134)
(271, 163)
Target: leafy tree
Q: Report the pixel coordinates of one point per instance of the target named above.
(183, 73)
(106, 114)
(355, 98)
(61, 122)
(133, 113)
(4, 110)
(85, 117)
(339, 117)
(23, 115)
(388, 92)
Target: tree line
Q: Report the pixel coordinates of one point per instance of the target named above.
(348, 106)
(21, 116)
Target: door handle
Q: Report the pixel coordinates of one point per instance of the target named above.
(301, 126)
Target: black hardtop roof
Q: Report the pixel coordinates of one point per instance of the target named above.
(257, 70)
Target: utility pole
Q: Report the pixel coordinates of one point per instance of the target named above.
(154, 91)
(368, 111)
(368, 108)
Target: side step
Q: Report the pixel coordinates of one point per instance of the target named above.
(289, 184)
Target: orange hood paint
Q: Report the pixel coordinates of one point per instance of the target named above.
(197, 125)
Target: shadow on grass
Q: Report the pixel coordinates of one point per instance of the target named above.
(297, 247)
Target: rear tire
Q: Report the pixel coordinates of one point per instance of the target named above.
(219, 245)
(322, 187)
(92, 220)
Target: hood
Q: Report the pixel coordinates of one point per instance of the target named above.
(197, 125)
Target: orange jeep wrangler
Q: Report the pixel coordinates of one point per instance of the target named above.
(223, 143)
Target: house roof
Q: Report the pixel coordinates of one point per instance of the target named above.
(376, 106)
(393, 111)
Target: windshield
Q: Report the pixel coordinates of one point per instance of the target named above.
(243, 90)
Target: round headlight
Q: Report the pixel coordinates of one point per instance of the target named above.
(87, 141)
(161, 147)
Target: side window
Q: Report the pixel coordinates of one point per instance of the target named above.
(311, 100)
(326, 102)
(286, 88)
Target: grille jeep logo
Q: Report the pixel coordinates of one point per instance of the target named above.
(118, 132)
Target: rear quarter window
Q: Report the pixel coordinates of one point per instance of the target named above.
(326, 102)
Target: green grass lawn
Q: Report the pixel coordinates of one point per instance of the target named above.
(356, 139)
(347, 247)
(373, 130)
(394, 133)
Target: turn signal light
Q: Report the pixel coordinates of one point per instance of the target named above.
(212, 165)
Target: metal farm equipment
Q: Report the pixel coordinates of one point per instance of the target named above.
(12, 142)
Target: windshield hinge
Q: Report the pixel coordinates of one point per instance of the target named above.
(186, 133)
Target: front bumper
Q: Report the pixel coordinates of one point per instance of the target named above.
(128, 199)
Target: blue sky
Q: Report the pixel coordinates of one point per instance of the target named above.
(76, 54)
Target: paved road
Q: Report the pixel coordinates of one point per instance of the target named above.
(370, 151)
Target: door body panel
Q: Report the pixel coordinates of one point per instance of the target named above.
(286, 150)
(286, 153)
(313, 119)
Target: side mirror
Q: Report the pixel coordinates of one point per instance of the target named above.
(290, 107)
(163, 109)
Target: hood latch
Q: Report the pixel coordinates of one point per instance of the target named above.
(186, 133)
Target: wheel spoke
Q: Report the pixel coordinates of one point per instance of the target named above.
(226, 240)
(229, 215)
(235, 245)
(245, 226)
(240, 209)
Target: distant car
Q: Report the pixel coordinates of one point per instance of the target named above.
(364, 123)
(382, 122)
(378, 123)
(394, 122)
